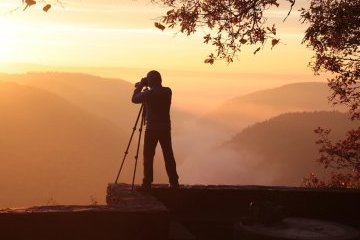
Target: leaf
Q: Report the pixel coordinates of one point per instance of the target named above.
(274, 42)
(243, 41)
(209, 60)
(273, 29)
(29, 3)
(170, 12)
(258, 49)
(160, 26)
(207, 38)
(46, 7)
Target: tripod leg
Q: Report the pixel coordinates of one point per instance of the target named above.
(137, 151)
(128, 146)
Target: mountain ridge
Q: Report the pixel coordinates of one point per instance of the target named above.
(286, 143)
(239, 112)
(51, 148)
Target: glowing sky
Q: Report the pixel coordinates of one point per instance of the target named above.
(121, 34)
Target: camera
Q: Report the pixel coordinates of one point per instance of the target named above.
(143, 82)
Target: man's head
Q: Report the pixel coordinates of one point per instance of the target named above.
(154, 78)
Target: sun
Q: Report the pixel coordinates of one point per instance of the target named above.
(9, 39)
(20, 39)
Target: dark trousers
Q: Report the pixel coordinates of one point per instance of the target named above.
(152, 137)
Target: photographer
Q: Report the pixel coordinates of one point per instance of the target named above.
(157, 101)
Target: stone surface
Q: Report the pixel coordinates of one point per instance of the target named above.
(296, 228)
(210, 212)
(234, 200)
(178, 231)
(137, 217)
(121, 195)
(206, 212)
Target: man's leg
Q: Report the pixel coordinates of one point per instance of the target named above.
(150, 142)
(170, 164)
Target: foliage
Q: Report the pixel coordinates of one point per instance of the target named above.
(342, 157)
(334, 35)
(344, 154)
(227, 25)
(336, 180)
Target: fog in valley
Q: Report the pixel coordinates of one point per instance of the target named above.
(63, 135)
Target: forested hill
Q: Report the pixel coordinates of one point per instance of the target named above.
(284, 146)
(52, 149)
(107, 98)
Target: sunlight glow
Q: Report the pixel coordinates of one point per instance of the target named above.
(122, 34)
(102, 37)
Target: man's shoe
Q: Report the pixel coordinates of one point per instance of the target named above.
(174, 186)
(146, 188)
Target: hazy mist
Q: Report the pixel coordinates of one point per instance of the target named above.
(63, 136)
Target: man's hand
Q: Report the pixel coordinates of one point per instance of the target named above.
(139, 85)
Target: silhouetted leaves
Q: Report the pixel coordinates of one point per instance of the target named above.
(291, 7)
(274, 42)
(243, 41)
(272, 30)
(46, 7)
(28, 3)
(210, 59)
(336, 180)
(258, 49)
(207, 38)
(334, 35)
(228, 25)
(160, 26)
(343, 157)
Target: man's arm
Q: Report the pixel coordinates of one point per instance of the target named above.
(139, 96)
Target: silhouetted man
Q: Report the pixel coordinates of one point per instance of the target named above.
(157, 103)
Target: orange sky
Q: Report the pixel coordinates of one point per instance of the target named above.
(108, 34)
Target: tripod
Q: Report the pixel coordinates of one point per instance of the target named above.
(142, 123)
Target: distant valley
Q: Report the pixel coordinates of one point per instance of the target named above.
(63, 136)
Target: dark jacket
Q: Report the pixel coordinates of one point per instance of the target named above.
(157, 106)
